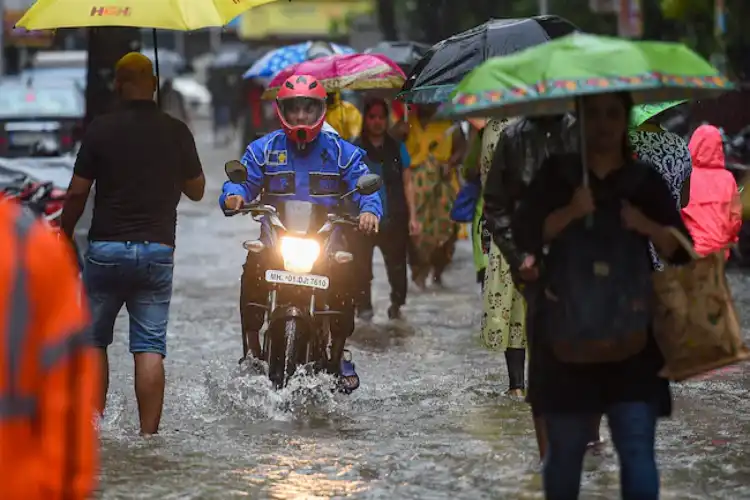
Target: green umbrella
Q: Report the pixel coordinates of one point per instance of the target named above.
(547, 79)
(642, 113)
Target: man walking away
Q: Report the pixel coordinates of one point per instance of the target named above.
(49, 445)
(141, 160)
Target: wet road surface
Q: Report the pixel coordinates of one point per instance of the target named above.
(429, 422)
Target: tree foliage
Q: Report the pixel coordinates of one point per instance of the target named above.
(434, 20)
(689, 21)
(685, 9)
(696, 21)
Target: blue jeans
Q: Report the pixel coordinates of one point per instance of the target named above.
(138, 275)
(633, 427)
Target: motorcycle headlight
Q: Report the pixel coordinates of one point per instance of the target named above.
(299, 254)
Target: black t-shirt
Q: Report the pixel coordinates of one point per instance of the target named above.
(139, 158)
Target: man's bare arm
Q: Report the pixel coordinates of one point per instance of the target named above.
(75, 203)
(195, 188)
(194, 183)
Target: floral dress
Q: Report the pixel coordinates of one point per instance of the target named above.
(504, 310)
(430, 147)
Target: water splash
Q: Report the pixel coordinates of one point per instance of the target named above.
(246, 391)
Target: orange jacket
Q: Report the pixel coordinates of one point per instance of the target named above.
(48, 377)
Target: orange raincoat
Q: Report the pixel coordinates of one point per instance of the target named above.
(48, 377)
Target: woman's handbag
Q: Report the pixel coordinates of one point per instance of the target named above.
(695, 322)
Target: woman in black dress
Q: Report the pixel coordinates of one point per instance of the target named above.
(570, 395)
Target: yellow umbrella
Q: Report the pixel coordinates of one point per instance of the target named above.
(182, 15)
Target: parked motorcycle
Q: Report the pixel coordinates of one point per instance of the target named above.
(301, 253)
(737, 153)
(737, 161)
(42, 198)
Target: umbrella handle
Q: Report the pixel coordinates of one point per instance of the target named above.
(582, 147)
(156, 62)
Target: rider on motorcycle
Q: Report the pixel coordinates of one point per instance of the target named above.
(301, 162)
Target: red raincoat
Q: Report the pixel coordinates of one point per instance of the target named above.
(714, 214)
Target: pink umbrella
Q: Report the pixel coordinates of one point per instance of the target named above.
(344, 71)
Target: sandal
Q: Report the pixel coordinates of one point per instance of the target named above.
(518, 394)
(348, 378)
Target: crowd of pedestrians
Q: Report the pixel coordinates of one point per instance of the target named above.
(538, 192)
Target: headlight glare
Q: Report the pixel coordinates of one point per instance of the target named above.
(299, 254)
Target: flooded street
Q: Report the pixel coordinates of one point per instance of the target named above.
(429, 422)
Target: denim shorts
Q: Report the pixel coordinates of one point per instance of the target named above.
(138, 275)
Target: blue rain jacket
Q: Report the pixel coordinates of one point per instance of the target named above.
(326, 169)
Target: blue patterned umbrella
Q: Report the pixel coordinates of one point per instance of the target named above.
(278, 59)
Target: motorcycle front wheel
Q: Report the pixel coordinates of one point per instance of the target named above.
(286, 348)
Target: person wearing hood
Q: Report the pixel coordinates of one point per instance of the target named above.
(714, 214)
(343, 116)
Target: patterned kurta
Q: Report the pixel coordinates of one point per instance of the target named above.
(504, 310)
(668, 153)
(430, 147)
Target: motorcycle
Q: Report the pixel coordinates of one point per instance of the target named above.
(737, 154)
(301, 253)
(42, 198)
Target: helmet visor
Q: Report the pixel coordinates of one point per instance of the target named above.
(302, 111)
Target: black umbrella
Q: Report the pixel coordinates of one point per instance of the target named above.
(449, 61)
(405, 54)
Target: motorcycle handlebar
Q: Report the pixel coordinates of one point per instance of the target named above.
(259, 209)
(344, 219)
(252, 208)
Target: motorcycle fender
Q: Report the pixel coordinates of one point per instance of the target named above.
(285, 312)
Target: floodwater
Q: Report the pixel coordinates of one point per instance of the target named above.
(429, 422)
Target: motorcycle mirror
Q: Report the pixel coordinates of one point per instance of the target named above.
(236, 171)
(369, 184)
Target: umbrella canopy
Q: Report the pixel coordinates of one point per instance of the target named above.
(344, 71)
(183, 15)
(405, 54)
(436, 75)
(642, 113)
(546, 80)
(278, 59)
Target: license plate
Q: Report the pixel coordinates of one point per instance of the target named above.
(26, 138)
(287, 278)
